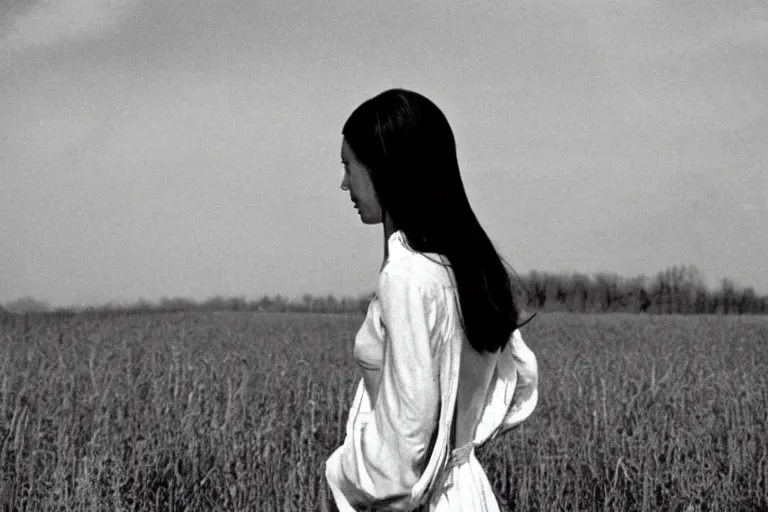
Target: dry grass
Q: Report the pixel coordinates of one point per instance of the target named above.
(237, 411)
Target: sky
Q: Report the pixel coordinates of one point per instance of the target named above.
(153, 148)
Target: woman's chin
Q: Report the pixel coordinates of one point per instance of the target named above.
(367, 220)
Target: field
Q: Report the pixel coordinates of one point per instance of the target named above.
(238, 411)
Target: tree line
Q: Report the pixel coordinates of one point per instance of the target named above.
(679, 289)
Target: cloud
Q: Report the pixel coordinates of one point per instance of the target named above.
(56, 21)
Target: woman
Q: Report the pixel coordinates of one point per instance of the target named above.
(444, 366)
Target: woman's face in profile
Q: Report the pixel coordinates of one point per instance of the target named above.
(357, 180)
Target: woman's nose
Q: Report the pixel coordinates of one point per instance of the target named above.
(344, 183)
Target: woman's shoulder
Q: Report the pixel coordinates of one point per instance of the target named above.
(426, 268)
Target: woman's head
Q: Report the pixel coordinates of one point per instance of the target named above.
(407, 146)
(400, 160)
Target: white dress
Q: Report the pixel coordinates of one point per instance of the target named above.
(418, 370)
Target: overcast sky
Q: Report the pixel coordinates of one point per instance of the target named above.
(156, 148)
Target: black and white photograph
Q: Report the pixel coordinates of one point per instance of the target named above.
(344, 255)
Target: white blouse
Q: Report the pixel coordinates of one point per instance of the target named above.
(418, 370)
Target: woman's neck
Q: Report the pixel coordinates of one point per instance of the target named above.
(389, 228)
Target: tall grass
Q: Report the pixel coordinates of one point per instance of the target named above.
(238, 411)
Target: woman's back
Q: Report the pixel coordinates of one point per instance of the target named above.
(475, 374)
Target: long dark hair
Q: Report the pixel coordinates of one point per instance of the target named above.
(408, 146)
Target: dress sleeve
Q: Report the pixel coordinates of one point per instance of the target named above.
(383, 458)
(526, 390)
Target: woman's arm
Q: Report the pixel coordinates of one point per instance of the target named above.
(381, 460)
